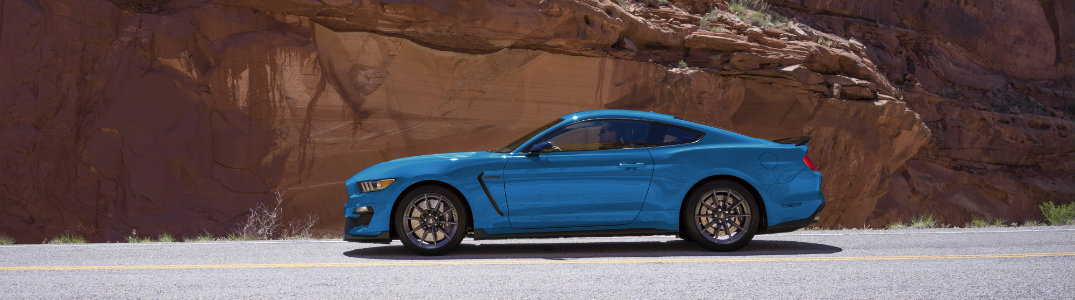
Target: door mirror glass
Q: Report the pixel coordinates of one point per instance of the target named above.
(540, 147)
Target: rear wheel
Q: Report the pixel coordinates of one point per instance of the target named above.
(431, 220)
(721, 216)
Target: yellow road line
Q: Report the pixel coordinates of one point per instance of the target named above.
(545, 262)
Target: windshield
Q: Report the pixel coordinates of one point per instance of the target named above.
(527, 137)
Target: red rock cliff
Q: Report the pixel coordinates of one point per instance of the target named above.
(178, 116)
(995, 83)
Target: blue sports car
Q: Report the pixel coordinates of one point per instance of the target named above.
(600, 172)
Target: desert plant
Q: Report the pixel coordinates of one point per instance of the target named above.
(1032, 223)
(897, 225)
(134, 238)
(6, 240)
(682, 64)
(703, 24)
(238, 237)
(757, 13)
(983, 222)
(1062, 214)
(299, 229)
(662, 2)
(204, 237)
(67, 238)
(755, 5)
(165, 238)
(264, 223)
(623, 3)
(923, 221)
(757, 19)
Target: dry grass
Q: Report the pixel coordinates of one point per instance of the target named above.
(264, 223)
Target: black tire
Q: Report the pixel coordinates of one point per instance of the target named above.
(431, 220)
(721, 215)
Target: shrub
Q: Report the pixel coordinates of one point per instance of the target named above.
(706, 24)
(67, 238)
(682, 64)
(757, 19)
(923, 221)
(983, 222)
(6, 240)
(134, 238)
(264, 223)
(756, 12)
(204, 237)
(165, 238)
(1063, 214)
(300, 229)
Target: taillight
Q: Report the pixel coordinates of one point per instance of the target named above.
(806, 160)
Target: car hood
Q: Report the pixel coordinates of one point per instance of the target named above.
(431, 163)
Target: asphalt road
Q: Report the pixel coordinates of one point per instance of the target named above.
(985, 263)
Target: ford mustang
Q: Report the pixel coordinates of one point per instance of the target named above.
(592, 173)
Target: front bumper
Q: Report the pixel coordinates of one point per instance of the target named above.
(362, 220)
(367, 217)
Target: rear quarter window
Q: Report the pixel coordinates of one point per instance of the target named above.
(665, 135)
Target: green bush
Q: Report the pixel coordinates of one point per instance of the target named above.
(982, 222)
(742, 6)
(67, 238)
(134, 238)
(6, 240)
(204, 237)
(757, 13)
(757, 19)
(923, 221)
(165, 238)
(1063, 214)
(897, 225)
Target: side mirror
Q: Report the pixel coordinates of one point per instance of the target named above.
(539, 147)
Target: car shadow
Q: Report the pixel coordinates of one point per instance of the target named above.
(593, 250)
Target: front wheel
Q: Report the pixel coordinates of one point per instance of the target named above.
(721, 216)
(431, 220)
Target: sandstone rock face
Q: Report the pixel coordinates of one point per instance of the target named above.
(179, 116)
(995, 83)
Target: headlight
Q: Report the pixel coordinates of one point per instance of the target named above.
(374, 185)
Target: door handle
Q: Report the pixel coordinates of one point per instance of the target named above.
(629, 166)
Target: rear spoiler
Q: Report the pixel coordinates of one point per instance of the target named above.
(798, 141)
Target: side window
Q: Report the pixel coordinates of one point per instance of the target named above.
(599, 135)
(664, 135)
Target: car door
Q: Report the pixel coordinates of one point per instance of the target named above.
(596, 173)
